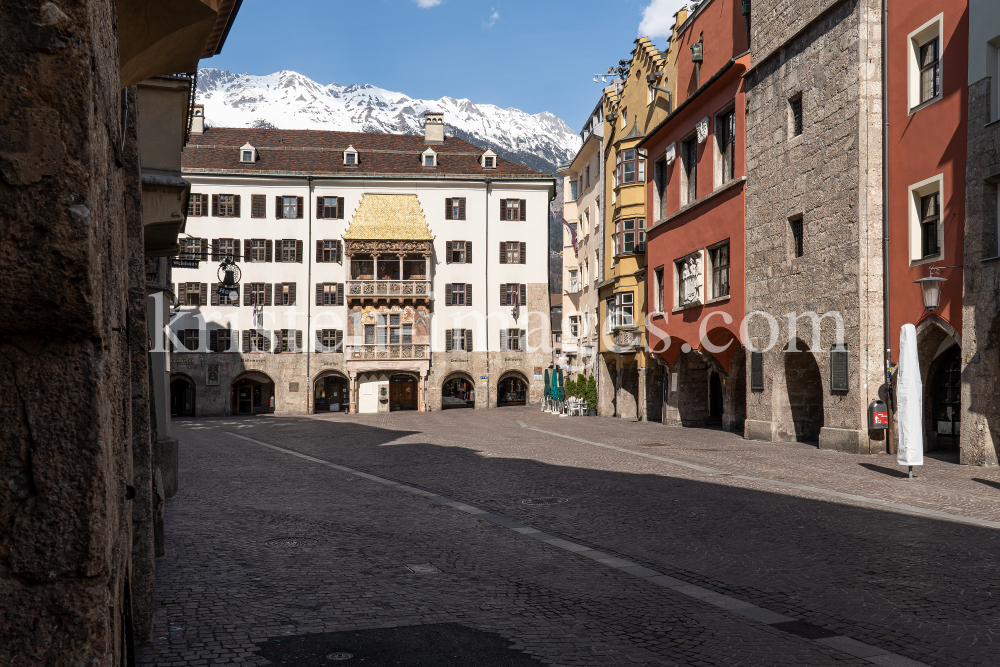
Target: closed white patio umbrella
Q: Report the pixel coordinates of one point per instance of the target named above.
(909, 398)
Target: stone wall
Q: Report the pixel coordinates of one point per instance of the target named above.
(65, 412)
(981, 301)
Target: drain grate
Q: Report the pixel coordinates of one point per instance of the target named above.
(291, 542)
(339, 655)
(544, 501)
(424, 568)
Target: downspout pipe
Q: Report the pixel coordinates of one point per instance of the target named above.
(886, 320)
(310, 404)
(486, 255)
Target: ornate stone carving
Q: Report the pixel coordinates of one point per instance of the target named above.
(377, 247)
(702, 129)
(671, 153)
(690, 292)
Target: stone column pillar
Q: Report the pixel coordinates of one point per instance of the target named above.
(353, 408)
(422, 393)
(400, 267)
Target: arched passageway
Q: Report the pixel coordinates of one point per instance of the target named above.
(512, 390)
(251, 394)
(182, 395)
(946, 398)
(332, 393)
(458, 391)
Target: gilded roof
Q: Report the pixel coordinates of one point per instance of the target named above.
(389, 218)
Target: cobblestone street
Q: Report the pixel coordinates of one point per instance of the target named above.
(513, 537)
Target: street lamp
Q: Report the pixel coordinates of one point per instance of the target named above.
(931, 287)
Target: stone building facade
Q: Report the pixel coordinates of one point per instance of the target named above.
(378, 272)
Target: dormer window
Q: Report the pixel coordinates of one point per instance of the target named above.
(428, 158)
(248, 154)
(489, 160)
(351, 157)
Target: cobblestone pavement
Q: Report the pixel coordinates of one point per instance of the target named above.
(648, 545)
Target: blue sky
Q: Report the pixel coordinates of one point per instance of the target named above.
(534, 55)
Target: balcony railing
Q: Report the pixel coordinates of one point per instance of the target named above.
(402, 351)
(388, 288)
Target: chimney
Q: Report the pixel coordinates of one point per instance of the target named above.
(198, 119)
(433, 127)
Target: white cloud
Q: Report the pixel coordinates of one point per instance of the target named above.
(424, 4)
(494, 17)
(658, 17)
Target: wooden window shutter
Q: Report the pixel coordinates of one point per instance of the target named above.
(267, 294)
(756, 371)
(267, 340)
(524, 340)
(447, 252)
(468, 294)
(204, 249)
(468, 340)
(503, 252)
(215, 294)
(503, 209)
(319, 251)
(340, 208)
(524, 210)
(503, 339)
(246, 294)
(340, 294)
(468, 252)
(279, 255)
(319, 208)
(447, 294)
(524, 296)
(340, 252)
(298, 251)
(291, 294)
(204, 205)
(247, 250)
(523, 254)
(461, 208)
(246, 342)
(319, 341)
(298, 340)
(447, 208)
(213, 340)
(448, 340)
(204, 294)
(339, 340)
(236, 250)
(299, 209)
(236, 206)
(215, 206)
(215, 250)
(503, 295)
(182, 292)
(267, 250)
(319, 294)
(277, 207)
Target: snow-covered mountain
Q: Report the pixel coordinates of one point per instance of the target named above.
(288, 100)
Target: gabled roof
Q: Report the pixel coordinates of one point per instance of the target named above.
(389, 218)
(320, 153)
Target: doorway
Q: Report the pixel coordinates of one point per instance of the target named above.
(946, 399)
(714, 400)
(512, 390)
(332, 394)
(252, 397)
(458, 392)
(182, 398)
(402, 392)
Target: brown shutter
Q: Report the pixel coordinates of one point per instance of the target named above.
(204, 294)
(461, 208)
(298, 251)
(468, 294)
(236, 206)
(319, 341)
(340, 208)
(503, 209)
(447, 294)
(524, 340)
(215, 206)
(291, 294)
(524, 248)
(279, 254)
(213, 340)
(236, 250)
(524, 210)
(319, 208)
(503, 339)
(340, 252)
(246, 342)
(468, 340)
(215, 294)
(246, 294)
(340, 294)
(468, 252)
(267, 294)
(503, 252)
(298, 340)
(204, 205)
(319, 251)
(503, 295)
(267, 250)
(448, 340)
(447, 208)
(447, 252)
(524, 296)
(204, 249)
(215, 250)
(247, 250)
(182, 291)
(277, 207)
(319, 294)
(299, 208)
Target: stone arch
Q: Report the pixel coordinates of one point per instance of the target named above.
(252, 392)
(935, 339)
(455, 396)
(512, 388)
(331, 391)
(802, 407)
(183, 393)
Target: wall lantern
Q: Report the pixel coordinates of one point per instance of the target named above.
(931, 286)
(697, 52)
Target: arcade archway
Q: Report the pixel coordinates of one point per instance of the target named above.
(512, 390)
(252, 393)
(182, 395)
(458, 391)
(331, 393)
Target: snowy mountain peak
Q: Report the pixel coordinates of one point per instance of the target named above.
(289, 100)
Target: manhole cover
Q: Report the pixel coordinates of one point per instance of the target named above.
(291, 542)
(544, 501)
(339, 655)
(425, 568)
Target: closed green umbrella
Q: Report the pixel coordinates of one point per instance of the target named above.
(548, 386)
(562, 389)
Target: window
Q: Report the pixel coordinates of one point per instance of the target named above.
(454, 208)
(196, 249)
(458, 252)
(288, 340)
(489, 162)
(248, 153)
(330, 340)
(247, 156)
(795, 123)
(256, 294)
(330, 208)
(930, 217)
(218, 300)
(628, 166)
(512, 252)
(513, 294)
(223, 248)
(221, 340)
(329, 294)
(658, 283)
(574, 326)
(456, 294)
(624, 118)
(188, 339)
(429, 158)
(573, 281)
(689, 171)
(458, 340)
(350, 156)
(226, 206)
(572, 190)
(289, 207)
(258, 250)
(725, 130)
(630, 236)
(719, 258)
(369, 334)
(586, 180)
(290, 251)
(513, 340)
(388, 330)
(798, 248)
(284, 294)
(193, 294)
(197, 205)
(620, 310)
(513, 209)
(329, 251)
(930, 71)
(258, 206)
(256, 340)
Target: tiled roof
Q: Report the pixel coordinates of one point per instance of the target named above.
(389, 218)
(320, 152)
